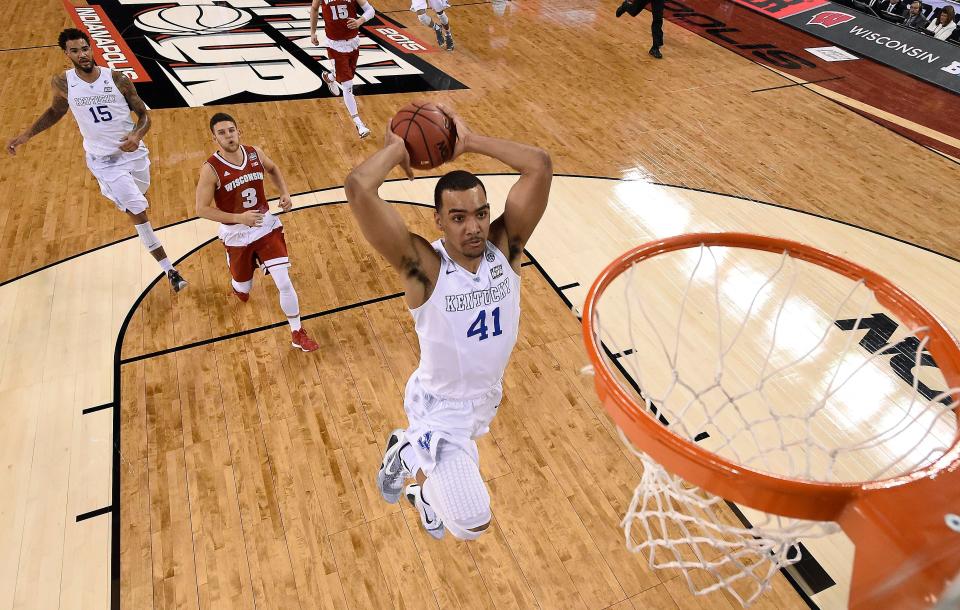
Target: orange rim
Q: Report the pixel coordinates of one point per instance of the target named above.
(779, 495)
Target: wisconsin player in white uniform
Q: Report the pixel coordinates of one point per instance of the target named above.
(463, 291)
(101, 101)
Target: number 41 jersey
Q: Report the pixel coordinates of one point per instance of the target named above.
(468, 326)
(239, 187)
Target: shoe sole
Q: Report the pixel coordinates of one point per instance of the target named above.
(303, 349)
(179, 286)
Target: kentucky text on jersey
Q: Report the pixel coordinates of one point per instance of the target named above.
(243, 180)
(478, 298)
(95, 100)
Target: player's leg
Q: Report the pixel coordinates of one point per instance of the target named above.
(403, 460)
(272, 250)
(152, 244)
(420, 8)
(125, 188)
(345, 65)
(241, 265)
(331, 82)
(656, 28)
(456, 491)
(439, 7)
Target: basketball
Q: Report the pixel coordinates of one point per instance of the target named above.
(427, 131)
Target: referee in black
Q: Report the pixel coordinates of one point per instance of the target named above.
(633, 7)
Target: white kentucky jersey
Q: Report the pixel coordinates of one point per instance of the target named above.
(101, 112)
(468, 326)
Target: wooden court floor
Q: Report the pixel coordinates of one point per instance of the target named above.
(246, 469)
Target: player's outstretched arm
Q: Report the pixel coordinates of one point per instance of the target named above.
(527, 199)
(276, 176)
(383, 226)
(132, 141)
(58, 107)
(206, 208)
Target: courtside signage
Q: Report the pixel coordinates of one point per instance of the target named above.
(183, 53)
(109, 48)
(778, 9)
(924, 57)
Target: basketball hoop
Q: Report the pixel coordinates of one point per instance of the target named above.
(779, 386)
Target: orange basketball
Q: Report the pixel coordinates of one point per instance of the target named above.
(427, 131)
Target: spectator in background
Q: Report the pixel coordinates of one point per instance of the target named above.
(914, 19)
(943, 26)
(890, 8)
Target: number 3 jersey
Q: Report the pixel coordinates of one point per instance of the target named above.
(240, 189)
(468, 326)
(102, 113)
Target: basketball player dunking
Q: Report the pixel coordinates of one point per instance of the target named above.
(101, 101)
(230, 191)
(463, 291)
(341, 26)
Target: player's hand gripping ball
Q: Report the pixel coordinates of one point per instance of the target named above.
(428, 133)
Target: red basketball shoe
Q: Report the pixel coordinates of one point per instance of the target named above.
(303, 341)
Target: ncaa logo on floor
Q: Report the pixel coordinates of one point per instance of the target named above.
(183, 54)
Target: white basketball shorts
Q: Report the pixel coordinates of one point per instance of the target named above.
(123, 179)
(458, 422)
(438, 6)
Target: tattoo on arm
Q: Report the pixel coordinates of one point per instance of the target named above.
(410, 267)
(133, 100)
(58, 107)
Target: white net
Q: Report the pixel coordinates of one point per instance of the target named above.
(777, 365)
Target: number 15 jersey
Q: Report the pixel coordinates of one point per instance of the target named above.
(468, 326)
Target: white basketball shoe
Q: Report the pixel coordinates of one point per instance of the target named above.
(392, 474)
(332, 85)
(428, 517)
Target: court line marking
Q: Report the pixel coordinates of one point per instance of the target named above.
(799, 84)
(39, 46)
(105, 405)
(250, 331)
(94, 513)
(559, 175)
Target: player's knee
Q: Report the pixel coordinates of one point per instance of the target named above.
(281, 277)
(468, 530)
(424, 18)
(137, 207)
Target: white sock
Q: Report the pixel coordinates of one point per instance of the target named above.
(349, 100)
(166, 265)
(294, 323)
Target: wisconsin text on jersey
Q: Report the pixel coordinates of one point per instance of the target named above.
(478, 298)
(243, 180)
